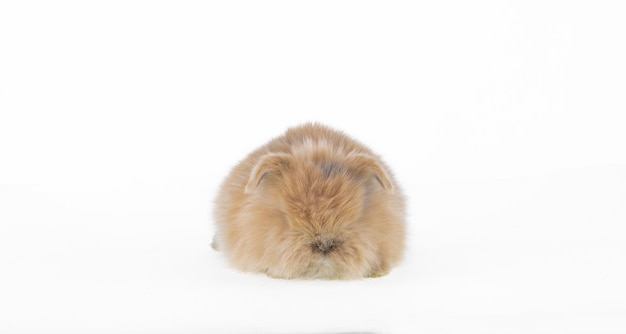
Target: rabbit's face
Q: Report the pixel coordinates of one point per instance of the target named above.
(318, 227)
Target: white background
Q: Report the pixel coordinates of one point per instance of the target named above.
(504, 123)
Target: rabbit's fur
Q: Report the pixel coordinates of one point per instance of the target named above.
(312, 203)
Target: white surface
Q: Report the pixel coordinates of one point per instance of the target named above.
(503, 122)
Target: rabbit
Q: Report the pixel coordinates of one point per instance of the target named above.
(311, 204)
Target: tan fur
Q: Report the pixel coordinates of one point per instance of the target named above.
(312, 203)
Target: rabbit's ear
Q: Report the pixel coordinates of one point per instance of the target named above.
(367, 165)
(269, 164)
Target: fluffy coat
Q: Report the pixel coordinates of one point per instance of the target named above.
(312, 203)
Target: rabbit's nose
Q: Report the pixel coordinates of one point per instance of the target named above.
(325, 245)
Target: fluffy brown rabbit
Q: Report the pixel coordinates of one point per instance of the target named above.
(312, 203)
